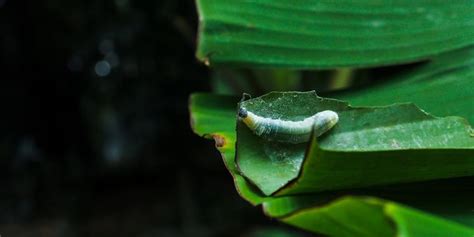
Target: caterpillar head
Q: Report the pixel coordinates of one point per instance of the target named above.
(243, 113)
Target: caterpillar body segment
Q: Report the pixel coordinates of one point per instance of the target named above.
(289, 131)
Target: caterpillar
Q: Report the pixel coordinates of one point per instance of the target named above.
(289, 131)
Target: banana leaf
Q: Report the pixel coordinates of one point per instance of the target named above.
(369, 146)
(330, 34)
(214, 117)
(355, 216)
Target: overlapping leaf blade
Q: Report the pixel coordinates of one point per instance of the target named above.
(368, 146)
(330, 34)
(208, 110)
(365, 216)
(213, 117)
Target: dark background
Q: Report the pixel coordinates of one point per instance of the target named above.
(95, 137)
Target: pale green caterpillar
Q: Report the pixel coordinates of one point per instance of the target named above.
(289, 131)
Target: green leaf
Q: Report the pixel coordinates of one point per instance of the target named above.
(366, 216)
(330, 34)
(369, 146)
(443, 87)
(214, 117)
(449, 198)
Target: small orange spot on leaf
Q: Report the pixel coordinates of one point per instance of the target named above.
(220, 140)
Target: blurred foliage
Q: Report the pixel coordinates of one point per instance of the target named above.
(232, 81)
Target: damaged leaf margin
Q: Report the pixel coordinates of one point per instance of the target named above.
(369, 146)
(213, 117)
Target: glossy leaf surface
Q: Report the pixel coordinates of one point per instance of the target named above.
(330, 34)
